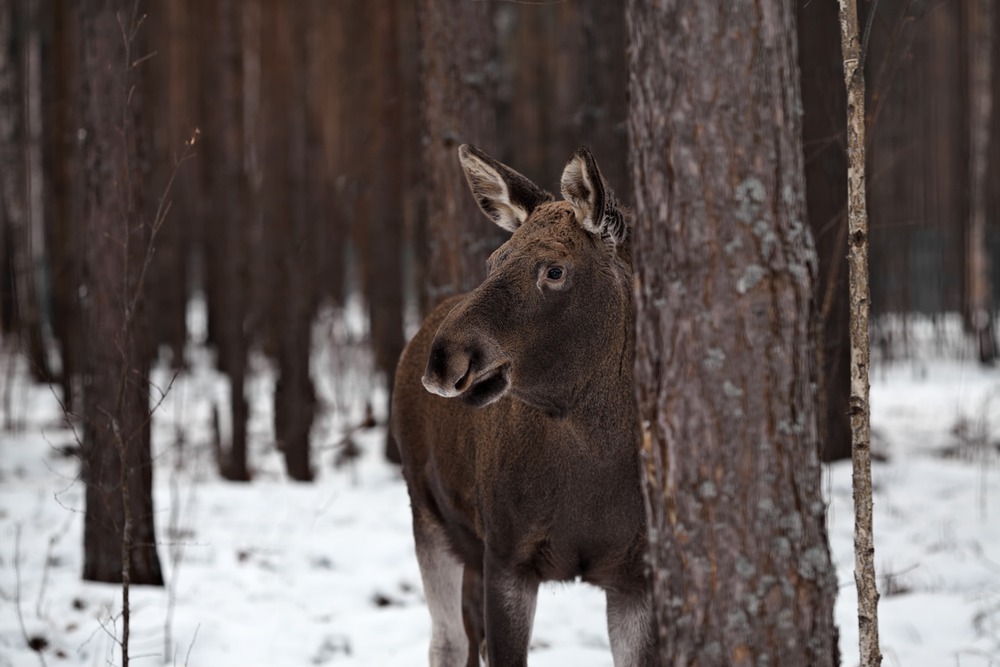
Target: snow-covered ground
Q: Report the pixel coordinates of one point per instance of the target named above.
(280, 573)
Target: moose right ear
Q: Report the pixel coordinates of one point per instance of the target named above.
(504, 195)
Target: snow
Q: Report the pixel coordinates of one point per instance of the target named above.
(281, 573)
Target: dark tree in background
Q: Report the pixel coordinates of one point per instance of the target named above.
(119, 540)
(457, 45)
(824, 109)
(233, 229)
(725, 361)
(286, 199)
(13, 188)
(562, 85)
(980, 38)
(62, 194)
(171, 115)
(20, 180)
(378, 223)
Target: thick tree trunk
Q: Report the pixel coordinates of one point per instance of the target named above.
(860, 299)
(725, 357)
(457, 48)
(116, 460)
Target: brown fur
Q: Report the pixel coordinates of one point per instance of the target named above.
(533, 472)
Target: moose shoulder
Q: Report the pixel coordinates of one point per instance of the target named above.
(514, 412)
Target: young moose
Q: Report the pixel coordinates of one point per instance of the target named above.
(513, 410)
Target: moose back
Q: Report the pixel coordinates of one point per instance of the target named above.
(513, 409)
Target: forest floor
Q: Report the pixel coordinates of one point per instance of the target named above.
(281, 573)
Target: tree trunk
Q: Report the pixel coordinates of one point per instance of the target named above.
(62, 190)
(457, 48)
(980, 316)
(380, 224)
(20, 200)
(119, 537)
(287, 226)
(231, 214)
(857, 258)
(172, 117)
(824, 102)
(13, 185)
(725, 357)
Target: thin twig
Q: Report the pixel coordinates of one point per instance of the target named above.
(857, 216)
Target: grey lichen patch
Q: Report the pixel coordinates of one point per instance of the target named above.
(781, 548)
(745, 568)
(707, 490)
(750, 195)
(792, 525)
(751, 277)
(786, 622)
(768, 239)
(818, 508)
(813, 563)
(788, 195)
(714, 359)
(767, 510)
(731, 390)
(737, 622)
(713, 652)
(735, 244)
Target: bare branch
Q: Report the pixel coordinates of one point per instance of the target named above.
(857, 216)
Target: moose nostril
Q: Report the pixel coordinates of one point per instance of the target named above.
(448, 372)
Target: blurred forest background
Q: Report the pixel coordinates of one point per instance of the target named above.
(275, 158)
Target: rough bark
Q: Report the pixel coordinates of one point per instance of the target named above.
(457, 48)
(824, 101)
(117, 468)
(725, 357)
(857, 217)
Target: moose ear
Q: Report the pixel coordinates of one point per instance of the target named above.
(505, 196)
(598, 210)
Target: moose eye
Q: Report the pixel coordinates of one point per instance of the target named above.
(554, 273)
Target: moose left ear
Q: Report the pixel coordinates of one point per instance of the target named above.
(505, 196)
(584, 187)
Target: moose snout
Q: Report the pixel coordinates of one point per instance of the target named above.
(449, 371)
(476, 370)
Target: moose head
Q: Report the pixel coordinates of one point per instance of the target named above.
(556, 293)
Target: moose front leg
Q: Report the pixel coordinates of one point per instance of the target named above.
(510, 612)
(630, 628)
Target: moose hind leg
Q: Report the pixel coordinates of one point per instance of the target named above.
(441, 573)
(630, 629)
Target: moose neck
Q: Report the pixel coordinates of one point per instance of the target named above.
(603, 399)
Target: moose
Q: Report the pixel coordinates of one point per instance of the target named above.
(533, 473)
